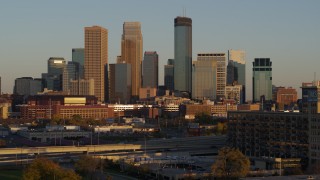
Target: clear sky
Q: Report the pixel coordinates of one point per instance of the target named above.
(287, 31)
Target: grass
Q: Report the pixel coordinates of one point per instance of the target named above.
(10, 174)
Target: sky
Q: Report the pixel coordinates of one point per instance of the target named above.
(286, 31)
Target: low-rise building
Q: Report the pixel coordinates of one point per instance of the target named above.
(269, 134)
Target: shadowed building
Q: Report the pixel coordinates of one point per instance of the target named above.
(169, 75)
(132, 52)
(120, 83)
(96, 58)
(183, 54)
(150, 69)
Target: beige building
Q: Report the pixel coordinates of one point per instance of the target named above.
(132, 53)
(204, 81)
(221, 109)
(194, 109)
(82, 87)
(220, 72)
(96, 58)
(234, 92)
(146, 93)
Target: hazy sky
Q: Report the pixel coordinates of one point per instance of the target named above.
(286, 31)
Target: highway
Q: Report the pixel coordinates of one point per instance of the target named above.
(186, 145)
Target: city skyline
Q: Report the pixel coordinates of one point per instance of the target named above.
(288, 34)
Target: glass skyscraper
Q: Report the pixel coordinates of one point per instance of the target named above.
(183, 54)
(53, 79)
(78, 57)
(262, 79)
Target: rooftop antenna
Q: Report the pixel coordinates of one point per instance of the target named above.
(314, 78)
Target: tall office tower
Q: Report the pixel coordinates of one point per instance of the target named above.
(132, 52)
(96, 58)
(27, 86)
(82, 87)
(262, 79)
(220, 82)
(69, 73)
(236, 70)
(78, 57)
(204, 79)
(120, 83)
(169, 75)
(53, 79)
(150, 66)
(183, 54)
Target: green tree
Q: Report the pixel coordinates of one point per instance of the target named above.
(42, 168)
(230, 163)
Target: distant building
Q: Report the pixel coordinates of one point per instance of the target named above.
(96, 58)
(27, 86)
(262, 79)
(82, 87)
(236, 70)
(78, 57)
(235, 92)
(221, 109)
(0, 86)
(212, 76)
(150, 68)
(248, 107)
(169, 75)
(120, 83)
(204, 79)
(48, 106)
(193, 109)
(70, 72)
(285, 97)
(53, 78)
(183, 54)
(5, 105)
(132, 53)
(147, 93)
(310, 97)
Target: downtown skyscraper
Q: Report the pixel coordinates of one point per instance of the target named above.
(150, 68)
(96, 58)
(262, 79)
(183, 54)
(132, 53)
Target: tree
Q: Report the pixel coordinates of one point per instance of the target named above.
(42, 168)
(231, 163)
(203, 118)
(86, 166)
